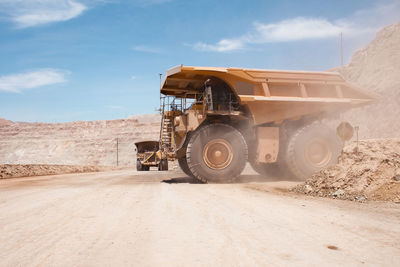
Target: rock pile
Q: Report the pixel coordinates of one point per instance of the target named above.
(12, 171)
(369, 171)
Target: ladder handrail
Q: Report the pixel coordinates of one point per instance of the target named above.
(162, 120)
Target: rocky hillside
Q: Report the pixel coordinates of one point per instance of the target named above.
(75, 143)
(377, 68)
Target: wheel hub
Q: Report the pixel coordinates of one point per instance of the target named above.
(217, 154)
(318, 153)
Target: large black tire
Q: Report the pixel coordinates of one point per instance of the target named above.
(184, 166)
(163, 165)
(310, 149)
(216, 153)
(139, 166)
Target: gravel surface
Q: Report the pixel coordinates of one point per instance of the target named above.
(126, 218)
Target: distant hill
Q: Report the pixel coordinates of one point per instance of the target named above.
(76, 143)
(5, 122)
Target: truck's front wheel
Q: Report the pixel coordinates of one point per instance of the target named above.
(216, 153)
(184, 166)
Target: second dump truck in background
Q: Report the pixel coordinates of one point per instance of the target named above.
(149, 155)
(216, 119)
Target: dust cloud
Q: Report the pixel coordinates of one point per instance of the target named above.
(376, 68)
(369, 169)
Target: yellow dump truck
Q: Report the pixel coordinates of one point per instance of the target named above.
(217, 119)
(149, 155)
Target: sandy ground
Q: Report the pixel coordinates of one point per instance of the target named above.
(126, 218)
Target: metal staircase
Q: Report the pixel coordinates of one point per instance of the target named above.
(166, 131)
(166, 127)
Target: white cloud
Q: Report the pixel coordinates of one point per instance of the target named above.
(301, 28)
(295, 29)
(222, 46)
(284, 31)
(17, 82)
(133, 77)
(29, 13)
(146, 49)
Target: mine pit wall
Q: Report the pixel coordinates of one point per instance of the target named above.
(76, 143)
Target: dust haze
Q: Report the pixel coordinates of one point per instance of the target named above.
(376, 68)
(368, 169)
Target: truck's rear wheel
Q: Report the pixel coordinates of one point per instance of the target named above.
(216, 153)
(311, 149)
(184, 166)
(139, 166)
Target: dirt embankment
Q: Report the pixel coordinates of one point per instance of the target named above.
(370, 171)
(13, 171)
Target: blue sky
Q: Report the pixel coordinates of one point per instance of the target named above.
(66, 60)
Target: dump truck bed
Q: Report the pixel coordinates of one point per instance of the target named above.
(272, 95)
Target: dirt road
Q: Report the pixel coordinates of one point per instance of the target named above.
(125, 218)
